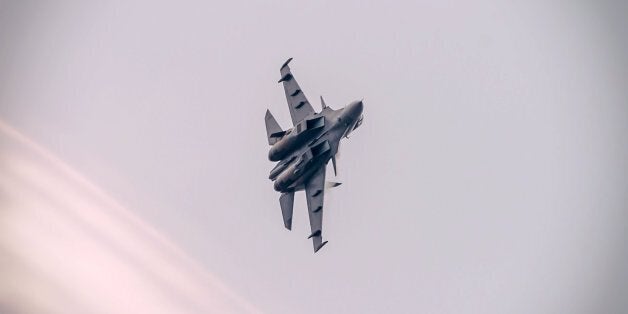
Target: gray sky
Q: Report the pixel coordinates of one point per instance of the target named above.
(489, 175)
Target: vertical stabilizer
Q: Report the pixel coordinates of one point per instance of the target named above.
(323, 104)
(273, 130)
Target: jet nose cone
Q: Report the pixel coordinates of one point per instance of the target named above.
(359, 106)
(356, 108)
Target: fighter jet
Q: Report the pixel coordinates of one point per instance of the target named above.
(303, 151)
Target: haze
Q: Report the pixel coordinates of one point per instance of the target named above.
(489, 175)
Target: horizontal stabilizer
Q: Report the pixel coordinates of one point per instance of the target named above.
(273, 130)
(286, 200)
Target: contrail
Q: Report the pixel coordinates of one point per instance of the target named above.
(68, 247)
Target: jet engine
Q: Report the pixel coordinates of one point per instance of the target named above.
(295, 138)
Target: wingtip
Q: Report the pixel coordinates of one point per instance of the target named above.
(320, 246)
(269, 115)
(285, 64)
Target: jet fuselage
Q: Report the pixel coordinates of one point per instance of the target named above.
(304, 150)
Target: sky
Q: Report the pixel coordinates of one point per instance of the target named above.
(68, 247)
(489, 175)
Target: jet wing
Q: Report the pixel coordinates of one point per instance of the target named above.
(299, 106)
(315, 192)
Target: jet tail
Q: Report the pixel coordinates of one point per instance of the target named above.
(323, 104)
(273, 130)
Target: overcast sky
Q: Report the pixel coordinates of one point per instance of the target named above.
(489, 175)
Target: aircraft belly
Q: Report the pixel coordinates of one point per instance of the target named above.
(290, 179)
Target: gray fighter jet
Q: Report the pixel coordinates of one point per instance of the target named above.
(304, 150)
